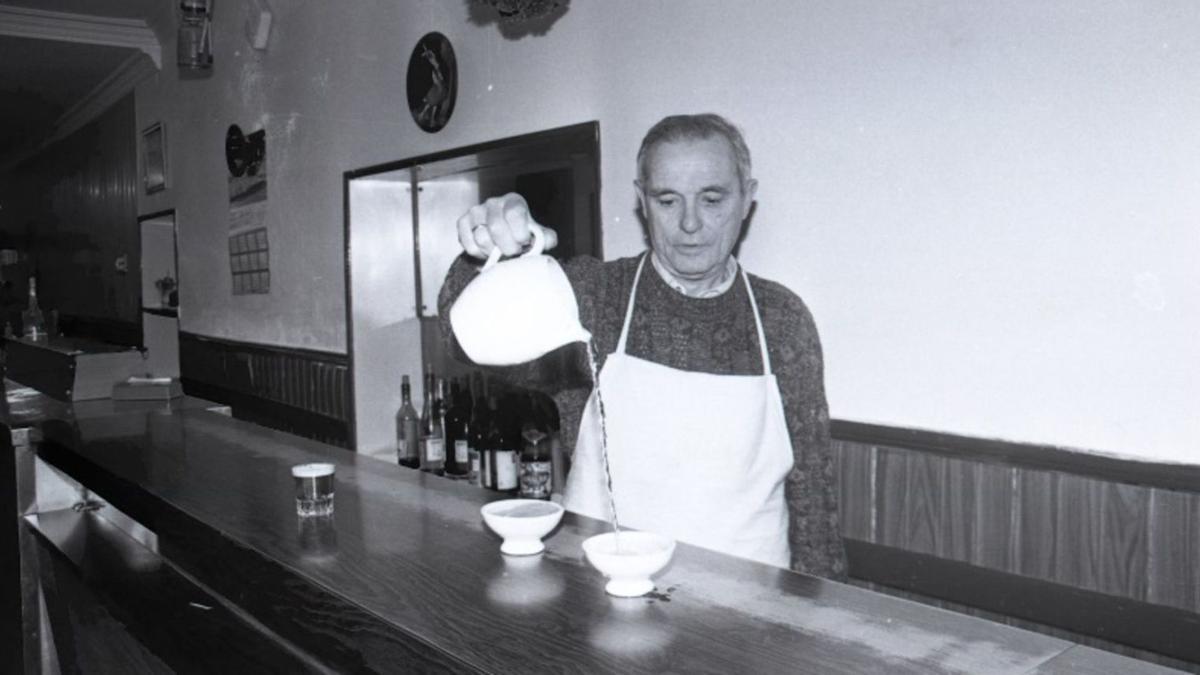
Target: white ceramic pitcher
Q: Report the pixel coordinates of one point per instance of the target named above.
(517, 310)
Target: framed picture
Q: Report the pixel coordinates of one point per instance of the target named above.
(154, 158)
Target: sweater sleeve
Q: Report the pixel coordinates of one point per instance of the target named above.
(811, 488)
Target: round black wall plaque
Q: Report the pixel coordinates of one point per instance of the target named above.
(432, 82)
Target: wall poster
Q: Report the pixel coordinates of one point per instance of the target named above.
(249, 262)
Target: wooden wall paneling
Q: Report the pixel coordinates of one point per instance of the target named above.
(856, 485)
(891, 486)
(1173, 547)
(1077, 546)
(908, 499)
(1036, 523)
(957, 510)
(1124, 516)
(994, 523)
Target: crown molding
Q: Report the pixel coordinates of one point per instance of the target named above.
(118, 83)
(81, 28)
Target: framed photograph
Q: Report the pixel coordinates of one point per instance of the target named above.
(154, 158)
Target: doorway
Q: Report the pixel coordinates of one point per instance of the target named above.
(401, 238)
(160, 294)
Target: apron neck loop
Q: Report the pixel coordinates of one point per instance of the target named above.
(762, 336)
(629, 309)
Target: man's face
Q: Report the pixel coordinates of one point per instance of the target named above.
(694, 204)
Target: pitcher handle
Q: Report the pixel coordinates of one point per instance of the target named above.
(535, 248)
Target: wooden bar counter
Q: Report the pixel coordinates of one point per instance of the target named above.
(405, 576)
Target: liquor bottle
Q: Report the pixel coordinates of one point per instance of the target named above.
(458, 460)
(536, 469)
(33, 321)
(492, 442)
(506, 452)
(477, 433)
(433, 442)
(408, 429)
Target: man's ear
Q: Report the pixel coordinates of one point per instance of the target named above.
(640, 190)
(751, 191)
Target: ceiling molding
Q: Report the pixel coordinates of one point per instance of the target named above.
(83, 28)
(118, 83)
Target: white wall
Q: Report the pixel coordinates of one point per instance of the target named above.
(991, 207)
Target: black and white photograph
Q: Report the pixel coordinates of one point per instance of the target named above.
(600, 336)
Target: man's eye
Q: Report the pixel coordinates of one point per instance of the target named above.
(713, 200)
(666, 201)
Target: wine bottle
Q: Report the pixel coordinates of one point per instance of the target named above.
(34, 323)
(506, 458)
(492, 443)
(408, 429)
(433, 442)
(477, 432)
(458, 460)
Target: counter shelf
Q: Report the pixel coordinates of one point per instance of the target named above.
(407, 576)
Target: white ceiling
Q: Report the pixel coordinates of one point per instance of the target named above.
(40, 79)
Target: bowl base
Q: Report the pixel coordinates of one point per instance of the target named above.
(522, 546)
(629, 588)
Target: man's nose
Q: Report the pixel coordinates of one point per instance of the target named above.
(690, 221)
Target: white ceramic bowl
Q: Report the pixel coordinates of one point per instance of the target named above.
(522, 523)
(629, 569)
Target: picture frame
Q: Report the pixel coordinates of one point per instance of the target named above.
(154, 158)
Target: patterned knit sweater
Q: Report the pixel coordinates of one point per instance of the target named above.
(714, 335)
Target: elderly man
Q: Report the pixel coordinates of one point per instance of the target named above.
(710, 379)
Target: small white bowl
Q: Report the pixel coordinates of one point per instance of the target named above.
(641, 554)
(522, 523)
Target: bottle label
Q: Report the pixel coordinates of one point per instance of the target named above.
(473, 477)
(485, 468)
(535, 480)
(506, 469)
(401, 448)
(435, 450)
(462, 453)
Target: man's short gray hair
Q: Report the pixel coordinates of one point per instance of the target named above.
(695, 127)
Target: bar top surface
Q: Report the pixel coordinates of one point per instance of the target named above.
(411, 550)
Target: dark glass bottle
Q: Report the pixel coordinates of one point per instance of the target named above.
(493, 441)
(505, 455)
(433, 441)
(477, 432)
(458, 460)
(408, 429)
(536, 468)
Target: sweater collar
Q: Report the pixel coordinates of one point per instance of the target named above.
(671, 280)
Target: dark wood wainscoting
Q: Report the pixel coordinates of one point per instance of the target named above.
(300, 391)
(113, 331)
(1086, 543)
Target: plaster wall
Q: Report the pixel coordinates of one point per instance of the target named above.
(991, 208)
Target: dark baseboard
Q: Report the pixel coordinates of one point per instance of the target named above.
(300, 391)
(1163, 630)
(1183, 477)
(102, 329)
(272, 414)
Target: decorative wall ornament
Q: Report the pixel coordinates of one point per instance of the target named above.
(154, 158)
(193, 42)
(432, 82)
(513, 11)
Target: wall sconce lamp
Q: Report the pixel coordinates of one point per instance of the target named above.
(194, 44)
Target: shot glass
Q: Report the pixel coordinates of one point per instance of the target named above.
(314, 489)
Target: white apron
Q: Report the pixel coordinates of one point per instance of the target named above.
(695, 456)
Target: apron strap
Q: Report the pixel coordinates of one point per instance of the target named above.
(762, 336)
(629, 310)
